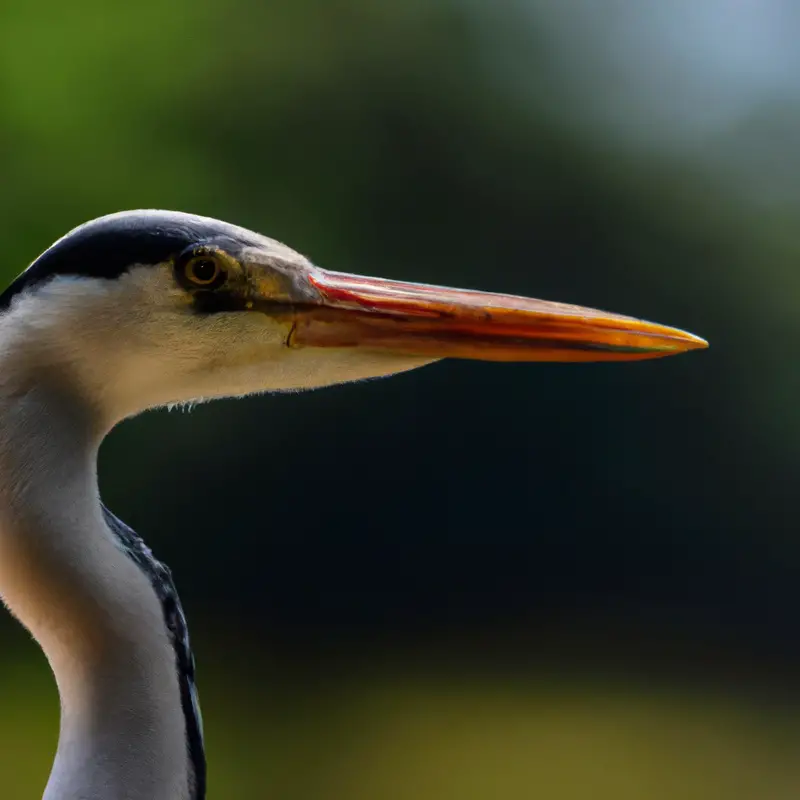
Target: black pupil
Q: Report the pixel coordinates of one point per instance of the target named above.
(204, 270)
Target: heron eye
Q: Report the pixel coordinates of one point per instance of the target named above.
(203, 270)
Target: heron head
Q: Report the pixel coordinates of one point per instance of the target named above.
(149, 308)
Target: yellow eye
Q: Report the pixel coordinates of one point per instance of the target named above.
(203, 270)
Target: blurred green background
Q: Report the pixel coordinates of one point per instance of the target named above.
(473, 580)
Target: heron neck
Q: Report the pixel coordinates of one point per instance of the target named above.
(93, 612)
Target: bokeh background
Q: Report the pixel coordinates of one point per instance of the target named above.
(473, 580)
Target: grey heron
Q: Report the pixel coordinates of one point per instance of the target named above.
(143, 309)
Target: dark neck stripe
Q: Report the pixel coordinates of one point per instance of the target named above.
(160, 578)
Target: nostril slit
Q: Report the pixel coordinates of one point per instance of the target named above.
(290, 337)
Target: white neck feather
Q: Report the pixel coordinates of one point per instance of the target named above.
(77, 355)
(91, 609)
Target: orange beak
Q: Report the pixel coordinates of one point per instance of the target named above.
(431, 321)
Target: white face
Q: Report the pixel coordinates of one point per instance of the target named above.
(232, 313)
(137, 342)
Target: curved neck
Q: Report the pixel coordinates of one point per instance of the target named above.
(92, 610)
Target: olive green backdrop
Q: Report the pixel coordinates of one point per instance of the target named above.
(474, 580)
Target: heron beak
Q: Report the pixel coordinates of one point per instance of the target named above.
(430, 321)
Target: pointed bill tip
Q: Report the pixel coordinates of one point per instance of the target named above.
(438, 322)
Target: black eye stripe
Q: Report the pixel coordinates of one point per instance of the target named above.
(211, 302)
(227, 300)
(108, 247)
